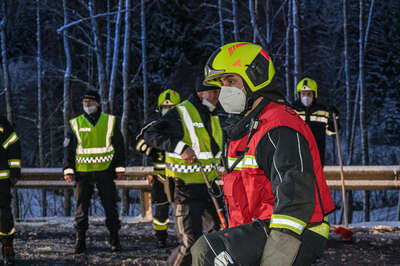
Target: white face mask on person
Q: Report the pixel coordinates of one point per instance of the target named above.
(90, 109)
(306, 101)
(232, 99)
(209, 105)
(164, 111)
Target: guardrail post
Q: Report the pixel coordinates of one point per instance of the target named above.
(366, 206)
(16, 202)
(125, 202)
(145, 204)
(67, 202)
(44, 203)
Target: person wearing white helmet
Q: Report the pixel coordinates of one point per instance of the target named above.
(275, 191)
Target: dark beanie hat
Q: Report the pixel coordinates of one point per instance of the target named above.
(92, 95)
(202, 87)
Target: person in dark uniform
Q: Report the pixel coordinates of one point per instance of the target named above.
(162, 188)
(317, 116)
(10, 171)
(94, 155)
(190, 130)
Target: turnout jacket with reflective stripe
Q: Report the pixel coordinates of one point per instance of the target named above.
(189, 124)
(93, 143)
(10, 151)
(280, 176)
(319, 119)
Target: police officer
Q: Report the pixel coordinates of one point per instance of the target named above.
(10, 171)
(275, 175)
(317, 116)
(190, 130)
(94, 155)
(162, 188)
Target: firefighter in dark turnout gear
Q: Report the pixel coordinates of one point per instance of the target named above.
(161, 190)
(10, 171)
(275, 175)
(186, 132)
(94, 155)
(317, 116)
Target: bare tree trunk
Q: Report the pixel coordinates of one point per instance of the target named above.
(347, 75)
(256, 34)
(144, 59)
(268, 31)
(39, 87)
(221, 23)
(113, 76)
(363, 130)
(234, 21)
(108, 41)
(296, 44)
(6, 75)
(289, 92)
(126, 100)
(40, 107)
(67, 98)
(101, 76)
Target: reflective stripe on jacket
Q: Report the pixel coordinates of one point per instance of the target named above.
(196, 137)
(94, 150)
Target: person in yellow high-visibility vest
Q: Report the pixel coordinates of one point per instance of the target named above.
(190, 130)
(162, 188)
(94, 155)
(10, 171)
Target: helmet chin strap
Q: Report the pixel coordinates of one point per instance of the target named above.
(250, 98)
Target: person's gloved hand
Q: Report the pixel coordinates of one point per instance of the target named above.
(142, 147)
(281, 249)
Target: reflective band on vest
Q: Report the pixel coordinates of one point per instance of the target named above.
(10, 140)
(288, 222)
(94, 151)
(4, 174)
(159, 226)
(196, 137)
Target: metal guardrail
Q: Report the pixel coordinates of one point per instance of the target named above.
(373, 177)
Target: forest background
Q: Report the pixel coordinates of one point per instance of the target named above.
(130, 51)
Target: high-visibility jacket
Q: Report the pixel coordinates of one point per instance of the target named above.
(196, 137)
(247, 184)
(94, 150)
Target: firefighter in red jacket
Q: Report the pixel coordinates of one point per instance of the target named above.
(162, 188)
(10, 171)
(275, 175)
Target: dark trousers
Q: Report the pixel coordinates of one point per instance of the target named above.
(83, 191)
(161, 205)
(193, 213)
(6, 217)
(244, 245)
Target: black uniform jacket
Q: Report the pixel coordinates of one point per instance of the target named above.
(117, 141)
(319, 119)
(10, 149)
(168, 130)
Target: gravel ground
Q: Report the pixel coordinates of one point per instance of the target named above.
(51, 243)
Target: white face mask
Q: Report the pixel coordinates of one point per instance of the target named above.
(306, 100)
(232, 99)
(164, 111)
(209, 105)
(90, 109)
